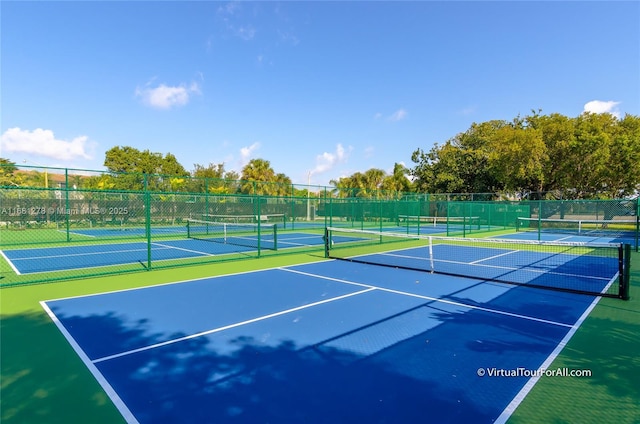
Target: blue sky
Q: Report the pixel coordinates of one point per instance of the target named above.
(327, 88)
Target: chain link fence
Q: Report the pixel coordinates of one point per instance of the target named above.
(68, 230)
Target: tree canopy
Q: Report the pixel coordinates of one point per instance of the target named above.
(589, 156)
(373, 182)
(592, 155)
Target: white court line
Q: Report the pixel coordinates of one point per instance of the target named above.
(183, 249)
(171, 283)
(293, 243)
(494, 257)
(13, 267)
(528, 269)
(111, 393)
(309, 236)
(226, 327)
(76, 233)
(517, 400)
(435, 299)
(79, 254)
(500, 267)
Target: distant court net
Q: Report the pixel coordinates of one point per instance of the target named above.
(589, 268)
(273, 218)
(458, 222)
(618, 228)
(256, 236)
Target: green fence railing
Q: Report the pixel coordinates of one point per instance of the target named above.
(52, 234)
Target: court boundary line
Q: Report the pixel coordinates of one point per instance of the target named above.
(183, 249)
(122, 263)
(435, 299)
(510, 252)
(106, 252)
(529, 385)
(475, 263)
(199, 254)
(229, 326)
(10, 262)
(168, 283)
(76, 234)
(120, 405)
(91, 364)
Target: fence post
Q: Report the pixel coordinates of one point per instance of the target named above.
(66, 202)
(638, 224)
(259, 222)
(539, 218)
(147, 205)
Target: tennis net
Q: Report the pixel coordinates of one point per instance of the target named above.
(256, 236)
(273, 218)
(617, 228)
(589, 268)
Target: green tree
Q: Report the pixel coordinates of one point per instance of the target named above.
(342, 187)
(7, 173)
(623, 172)
(397, 182)
(131, 165)
(371, 183)
(461, 165)
(257, 177)
(558, 135)
(282, 185)
(590, 153)
(517, 157)
(208, 178)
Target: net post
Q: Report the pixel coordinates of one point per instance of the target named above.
(275, 237)
(626, 271)
(431, 264)
(326, 242)
(638, 227)
(448, 213)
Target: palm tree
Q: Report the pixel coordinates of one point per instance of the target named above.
(255, 174)
(398, 182)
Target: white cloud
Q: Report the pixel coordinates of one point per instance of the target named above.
(398, 115)
(289, 37)
(246, 32)
(233, 17)
(166, 97)
(368, 152)
(327, 161)
(229, 8)
(470, 110)
(599, 106)
(43, 143)
(247, 152)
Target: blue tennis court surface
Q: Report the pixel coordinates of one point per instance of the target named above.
(33, 260)
(328, 342)
(532, 235)
(128, 231)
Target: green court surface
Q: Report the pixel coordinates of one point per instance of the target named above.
(44, 381)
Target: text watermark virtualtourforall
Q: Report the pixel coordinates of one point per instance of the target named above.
(526, 372)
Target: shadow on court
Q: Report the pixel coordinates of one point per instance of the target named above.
(428, 377)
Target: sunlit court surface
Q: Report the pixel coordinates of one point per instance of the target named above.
(332, 341)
